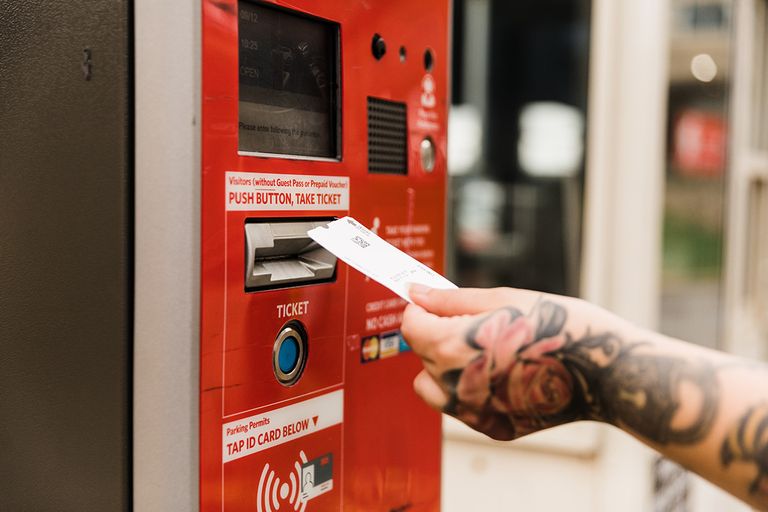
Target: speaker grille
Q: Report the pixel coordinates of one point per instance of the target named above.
(387, 137)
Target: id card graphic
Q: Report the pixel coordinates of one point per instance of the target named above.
(317, 477)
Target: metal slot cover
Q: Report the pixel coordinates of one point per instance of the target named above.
(282, 254)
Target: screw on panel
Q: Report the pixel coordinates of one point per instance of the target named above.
(87, 64)
(429, 60)
(378, 46)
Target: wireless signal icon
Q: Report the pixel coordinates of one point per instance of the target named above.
(274, 492)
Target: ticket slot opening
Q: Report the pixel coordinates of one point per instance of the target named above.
(280, 254)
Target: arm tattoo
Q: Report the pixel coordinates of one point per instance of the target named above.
(747, 443)
(644, 391)
(528, 374)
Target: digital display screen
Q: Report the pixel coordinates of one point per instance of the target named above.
(288, 83)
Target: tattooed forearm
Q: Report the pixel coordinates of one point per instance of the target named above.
(644, 392)
(512, 372)
(529, 374)
(747, 443)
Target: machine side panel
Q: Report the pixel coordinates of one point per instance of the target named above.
(65, 255)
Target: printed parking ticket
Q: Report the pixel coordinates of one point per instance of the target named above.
(365, 251)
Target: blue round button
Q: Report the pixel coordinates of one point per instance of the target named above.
(288, 354)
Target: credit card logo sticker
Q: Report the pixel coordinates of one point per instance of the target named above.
(390, 345)
(370, 349)
(382, 346)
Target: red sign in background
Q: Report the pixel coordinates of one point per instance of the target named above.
(699, 143)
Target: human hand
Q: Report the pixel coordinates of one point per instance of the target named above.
(510, 362)
(495, 358)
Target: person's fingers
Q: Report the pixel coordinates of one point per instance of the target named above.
(422, 329)
(430, 391)
(471, 301)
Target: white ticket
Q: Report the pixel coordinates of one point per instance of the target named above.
(363, 250)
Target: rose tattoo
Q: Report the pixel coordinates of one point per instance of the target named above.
(517, 383)
(527, 373)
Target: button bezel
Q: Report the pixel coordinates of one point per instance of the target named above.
(296, 330)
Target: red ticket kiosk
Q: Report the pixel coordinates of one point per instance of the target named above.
(312, 111)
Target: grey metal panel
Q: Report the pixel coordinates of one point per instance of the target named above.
(65, 265)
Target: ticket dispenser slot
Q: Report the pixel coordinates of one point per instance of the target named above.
(281, 254)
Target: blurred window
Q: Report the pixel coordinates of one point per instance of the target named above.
(702, 16)
(696, 170)
(516, 142)
(760, 94)
(756, 277)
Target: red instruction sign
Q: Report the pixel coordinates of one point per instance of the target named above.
(250, 191)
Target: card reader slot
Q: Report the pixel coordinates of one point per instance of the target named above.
(280, 254)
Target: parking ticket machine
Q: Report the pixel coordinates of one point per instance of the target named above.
(312, 111)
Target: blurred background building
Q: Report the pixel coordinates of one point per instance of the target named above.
(618, 151)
